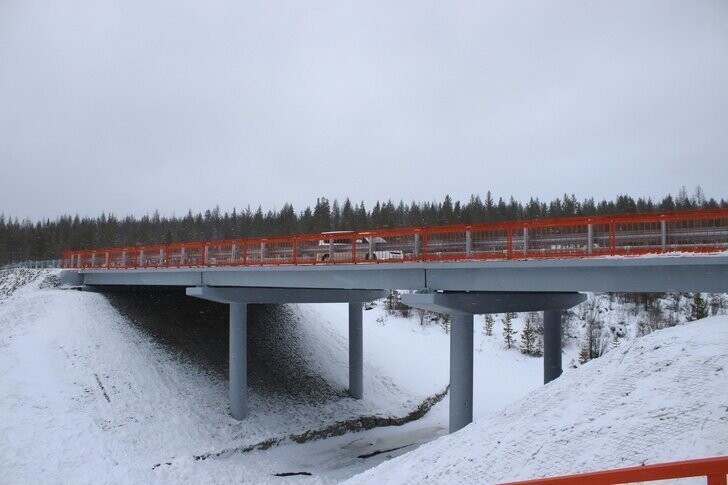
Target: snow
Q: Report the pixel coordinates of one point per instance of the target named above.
(656, 399)
(87, 396)
(84, 393)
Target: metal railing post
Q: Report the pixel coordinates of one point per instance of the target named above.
(509, 253)
(468, 242)
(612, 238)
(590, 239)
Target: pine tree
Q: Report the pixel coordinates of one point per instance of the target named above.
(584, 354)
(715, 303)
(445, 322)
(700, 307)
(488, 324)
(508, 331)
(528, 338)
(643, 328)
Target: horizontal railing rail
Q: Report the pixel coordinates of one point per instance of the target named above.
(37, 263)
(713, 469)
(699, 231)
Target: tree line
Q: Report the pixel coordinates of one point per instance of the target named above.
(40, 240)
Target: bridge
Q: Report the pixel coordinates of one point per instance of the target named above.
(460, 270)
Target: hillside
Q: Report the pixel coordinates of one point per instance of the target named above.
(91, 389)
(134, 387)
(657, 398)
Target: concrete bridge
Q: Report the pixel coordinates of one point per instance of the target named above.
(456, 270)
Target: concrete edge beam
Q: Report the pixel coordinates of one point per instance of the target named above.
(367, 276)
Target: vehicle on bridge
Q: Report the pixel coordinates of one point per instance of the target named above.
(366, 247)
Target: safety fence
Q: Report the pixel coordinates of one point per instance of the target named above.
(698, 231)
(713, 469)
(45, 263)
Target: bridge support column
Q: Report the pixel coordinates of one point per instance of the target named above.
(462, 306)
(238, 360)
(461, 371)
(356, 351)
(551, 345)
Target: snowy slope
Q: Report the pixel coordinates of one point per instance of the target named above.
(87, 397)
(658, 398)
(83, 391)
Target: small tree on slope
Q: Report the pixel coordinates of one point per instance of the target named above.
(488, 324)
(508, 331)
(700, 307)
(528, 337)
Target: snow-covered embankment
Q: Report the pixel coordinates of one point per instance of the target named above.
(659, 398)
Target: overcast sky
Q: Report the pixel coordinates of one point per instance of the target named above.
(127, 106)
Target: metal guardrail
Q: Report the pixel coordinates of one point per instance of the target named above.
(701, 231)
(45, 263)
(714, 469)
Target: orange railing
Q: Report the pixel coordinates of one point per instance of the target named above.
(714, 469)
(573, 237)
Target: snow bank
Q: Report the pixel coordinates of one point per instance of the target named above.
(84, 395)
(88, 396)
(658, 398)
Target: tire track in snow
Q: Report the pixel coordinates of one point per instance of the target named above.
(98, 381)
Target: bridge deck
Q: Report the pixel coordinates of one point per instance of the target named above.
(635, 274)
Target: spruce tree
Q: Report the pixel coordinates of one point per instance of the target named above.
(528, 338)
(445, 322)
(716, 303)
(700, 307)
(488, 324)
(508, 331)
(584, 354)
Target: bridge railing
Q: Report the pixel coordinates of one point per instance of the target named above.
(574, 237)
(44, 263)
(714, 469)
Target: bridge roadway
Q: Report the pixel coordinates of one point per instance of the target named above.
(461, 289)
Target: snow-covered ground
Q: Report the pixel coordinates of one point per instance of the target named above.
(89, 395)
(659, 398)
(86, 396)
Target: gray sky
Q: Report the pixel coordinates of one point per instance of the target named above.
(130, 105)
